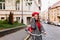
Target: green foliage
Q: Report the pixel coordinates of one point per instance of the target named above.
(16, 22)
(4, 24)
(8, 24)
(2, 0)
(1, 21)
(17, 1)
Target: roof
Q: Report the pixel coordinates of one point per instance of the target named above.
(57, 4)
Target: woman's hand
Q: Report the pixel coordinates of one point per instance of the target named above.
(44, 33)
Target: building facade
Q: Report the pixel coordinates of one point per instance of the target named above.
(19, 8)
(45, 15)
(54, 13)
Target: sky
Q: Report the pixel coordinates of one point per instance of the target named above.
(46, 4)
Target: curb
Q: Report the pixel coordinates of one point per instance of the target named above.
(11, 30)
(27, 37)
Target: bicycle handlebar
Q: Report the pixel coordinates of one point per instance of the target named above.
(34, 34)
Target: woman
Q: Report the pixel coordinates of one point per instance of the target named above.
(36, 26)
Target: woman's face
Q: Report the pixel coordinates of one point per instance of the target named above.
(36, 16)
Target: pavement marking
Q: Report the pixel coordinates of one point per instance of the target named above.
(27, 37)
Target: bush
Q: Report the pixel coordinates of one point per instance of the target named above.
(4, 24)
(16, 22)
(1, 21)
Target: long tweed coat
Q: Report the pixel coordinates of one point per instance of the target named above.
(35, 30)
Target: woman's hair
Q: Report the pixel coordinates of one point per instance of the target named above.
(38, 17)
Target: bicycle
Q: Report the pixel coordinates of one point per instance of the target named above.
(34, 35)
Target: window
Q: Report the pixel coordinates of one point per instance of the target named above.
(17, 18)
(26, 0)
(39, 8)
(2, 17)
(28, 20)
(38, 1)
(28, 3)
(17, 4)
(30, 0)
(2, 4)
(2, 0)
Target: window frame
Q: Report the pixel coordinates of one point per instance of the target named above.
(2, 5)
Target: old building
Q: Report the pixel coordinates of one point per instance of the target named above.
(54, 13)
(45, 15)
(20, 9)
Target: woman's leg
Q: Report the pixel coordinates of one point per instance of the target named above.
(33, 38)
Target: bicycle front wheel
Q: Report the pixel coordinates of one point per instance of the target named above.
(36, 37)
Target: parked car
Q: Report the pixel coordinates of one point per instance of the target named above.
(58, 24)
(45, 21)
(52, 23)
(49, 22)
(55, 23)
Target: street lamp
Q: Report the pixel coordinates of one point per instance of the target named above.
(48, 11)
(48, 15)
(22, 12)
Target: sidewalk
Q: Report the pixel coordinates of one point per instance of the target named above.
(19, 35)
(10, 30)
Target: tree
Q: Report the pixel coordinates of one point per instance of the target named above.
(11, 18)
(17, 1)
